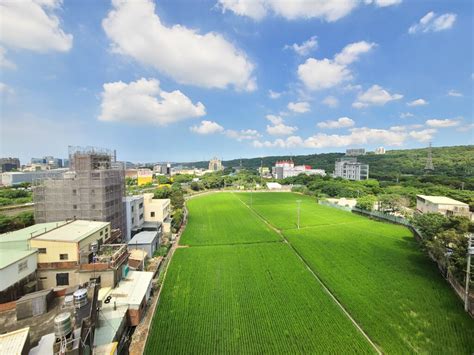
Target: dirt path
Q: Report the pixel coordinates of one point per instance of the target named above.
(344, 310)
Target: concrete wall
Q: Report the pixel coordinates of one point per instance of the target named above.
(161, 209)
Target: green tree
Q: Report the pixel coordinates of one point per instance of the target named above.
(429, 224)
(366, 202)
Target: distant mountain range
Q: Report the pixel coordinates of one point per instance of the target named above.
(450, 161)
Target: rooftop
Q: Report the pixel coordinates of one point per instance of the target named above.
(131, 290)
(442, 200)
(73, 232)
(145, 237)
(10, 256)
(14, 342)
(28, 232)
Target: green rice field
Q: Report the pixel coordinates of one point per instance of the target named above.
(241, 287)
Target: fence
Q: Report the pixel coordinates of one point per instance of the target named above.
(458, 288)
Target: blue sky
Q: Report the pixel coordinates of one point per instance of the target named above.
(187, 80)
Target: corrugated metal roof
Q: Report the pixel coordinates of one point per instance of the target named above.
(146, 237)
(13, 342)
(442, 200)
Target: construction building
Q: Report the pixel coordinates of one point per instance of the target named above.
(215, 164)
(349, 168)
(354, 152)
(9, 164)
(286, 168)
(91, 190)
(441, 204)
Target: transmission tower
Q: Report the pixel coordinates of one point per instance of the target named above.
(429, 161)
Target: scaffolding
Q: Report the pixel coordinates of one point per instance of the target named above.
(91, 190)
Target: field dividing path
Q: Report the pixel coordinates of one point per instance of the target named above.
(359, 328)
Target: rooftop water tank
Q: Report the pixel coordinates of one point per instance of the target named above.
(62, 325)
(80, 298)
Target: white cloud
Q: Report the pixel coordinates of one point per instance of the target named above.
(425, 135)
(433, 23)
(466, 128)
(375, 95)
(143, 101)
(206, 60)
(406, 115)
(341, 122)
(351, 52)
(273, 94)
(417, 102)
(4, 62)
(331, 101)
(278, 127)
(454, 93)
(244, 134)
(304, 48)
(299, 107)
(207, 127)
(442, 123)
(5, 89)
(319, 74)
(33, 25)
(328, 10)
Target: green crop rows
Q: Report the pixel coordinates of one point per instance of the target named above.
(240, 289)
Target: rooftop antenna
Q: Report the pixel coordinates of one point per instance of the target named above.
(429, 161)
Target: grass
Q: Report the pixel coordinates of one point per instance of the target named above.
(247, 299)
(222, 219)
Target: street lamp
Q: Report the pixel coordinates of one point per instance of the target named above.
(298, 212)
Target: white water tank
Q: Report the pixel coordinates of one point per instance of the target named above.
(80, 298)
(62, 325)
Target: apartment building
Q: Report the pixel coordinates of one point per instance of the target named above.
(349, 168)
(134, 215)
(286, 168)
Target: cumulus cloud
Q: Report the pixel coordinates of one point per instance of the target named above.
(331, 101)
(318, 74)
(299, 107)
(143, 101)
(454, 93)
(207, 127)
(4, 62)
(375, 95)
(278, 127)
(304, 48)
(243, 134)
(273, 94)
(417, 102)
(356, 136)
(33, 25)
(442, 123)
(341, 122)
(406, 115)
(328, 10)
(433, 23)
(189, 57)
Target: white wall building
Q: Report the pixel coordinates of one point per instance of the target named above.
(349, 168)
(441, 204)
(134, 215)
(157, 210)
(380, 150)
(354, 152)
(17, 177)
(286, 168)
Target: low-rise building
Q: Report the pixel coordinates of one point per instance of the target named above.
(134, 215)
(286, 168)
(158, 210)
(442, 204)
(9, 164)
(146, 241)
(351, 169)
(215, 164)
(354, 152)
(17, 177)
(380, 150)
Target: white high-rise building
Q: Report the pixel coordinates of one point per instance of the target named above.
(380, 150)
(349, 168)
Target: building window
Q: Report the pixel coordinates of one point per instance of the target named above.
(132, 208)
(93, 207)
(62, 279)
(74, 192)
(141, 205)
(23, 266)
(141, 216)
(42, 250)
(106, 230)
(101, 233)
(133, 220)
(152, 214)
(63, 256)
(74, 206)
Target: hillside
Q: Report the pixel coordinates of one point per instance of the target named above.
(455, 161)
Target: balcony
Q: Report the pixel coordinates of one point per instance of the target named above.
(110, 256)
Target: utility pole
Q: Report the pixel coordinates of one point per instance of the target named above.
(298, 212)
(470, 252)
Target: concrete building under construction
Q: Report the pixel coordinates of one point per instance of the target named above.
(91, 190)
